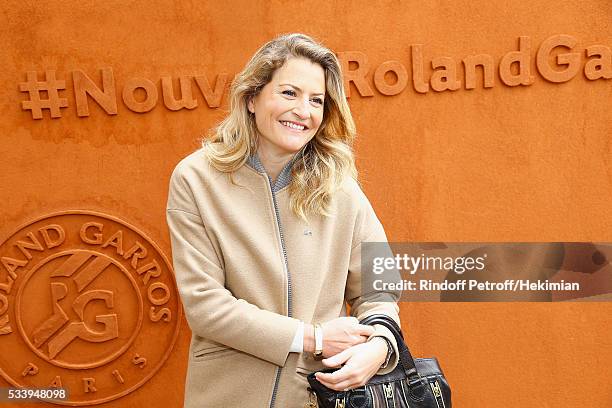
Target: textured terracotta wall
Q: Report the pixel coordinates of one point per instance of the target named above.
(502, 163)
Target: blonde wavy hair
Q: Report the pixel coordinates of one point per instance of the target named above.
(326, 160)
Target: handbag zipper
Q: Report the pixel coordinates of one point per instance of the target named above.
(286, 264)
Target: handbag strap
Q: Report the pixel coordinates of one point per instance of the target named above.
(405, 357)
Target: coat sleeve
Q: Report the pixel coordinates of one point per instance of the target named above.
(370, 241)
(211, 309)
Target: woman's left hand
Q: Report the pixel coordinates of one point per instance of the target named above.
(361, 362)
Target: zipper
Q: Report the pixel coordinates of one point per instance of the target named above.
(282, 240)
(275, 389)
(289, 308)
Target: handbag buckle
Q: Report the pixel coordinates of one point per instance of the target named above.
(340, 402)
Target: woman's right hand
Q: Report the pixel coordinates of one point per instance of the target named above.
(339, 334)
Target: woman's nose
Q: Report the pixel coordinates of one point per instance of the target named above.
(302, 109)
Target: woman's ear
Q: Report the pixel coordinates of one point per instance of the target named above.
(251, 105)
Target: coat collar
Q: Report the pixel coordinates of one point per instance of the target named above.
(284, 177)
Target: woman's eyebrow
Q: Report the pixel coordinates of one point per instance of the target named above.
(298, 89)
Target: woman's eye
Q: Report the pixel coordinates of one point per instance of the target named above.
(318, 101)
(289, 92)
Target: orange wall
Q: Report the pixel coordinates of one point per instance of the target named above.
(505, 163)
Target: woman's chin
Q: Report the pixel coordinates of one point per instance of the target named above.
(294, 145)
(286, 144)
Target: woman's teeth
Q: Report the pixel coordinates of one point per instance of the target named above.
(293, 125)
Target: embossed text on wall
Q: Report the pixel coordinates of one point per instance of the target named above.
(514, 67)
(557, 59)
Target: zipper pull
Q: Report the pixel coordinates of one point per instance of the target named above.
(437, 392)
(388, 388)
(312, 399)
(436, 389)
(388, 391)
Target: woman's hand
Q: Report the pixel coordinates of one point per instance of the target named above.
(361, 362)
(342, 333)
(338, 335)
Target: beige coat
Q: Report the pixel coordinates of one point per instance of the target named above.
(241, 273)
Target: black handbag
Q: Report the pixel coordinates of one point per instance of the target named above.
(414, 383)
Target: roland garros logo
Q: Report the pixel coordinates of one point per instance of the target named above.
(87, 303)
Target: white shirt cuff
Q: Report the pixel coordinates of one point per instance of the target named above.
(298, 341)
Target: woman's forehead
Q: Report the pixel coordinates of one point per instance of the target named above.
(302, 73)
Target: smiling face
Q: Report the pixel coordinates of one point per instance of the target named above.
(289, 109)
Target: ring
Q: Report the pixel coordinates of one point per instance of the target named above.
(347, 389)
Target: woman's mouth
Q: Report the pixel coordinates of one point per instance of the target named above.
(293, 125)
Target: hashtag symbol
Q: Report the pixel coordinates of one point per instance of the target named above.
(51, 86)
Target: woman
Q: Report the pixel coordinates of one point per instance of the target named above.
(266, 222)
